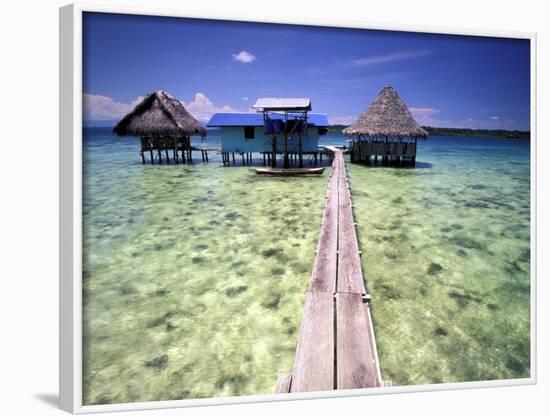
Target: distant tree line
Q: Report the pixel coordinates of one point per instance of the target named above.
(454, 131)
(500, 133)
(336, 128)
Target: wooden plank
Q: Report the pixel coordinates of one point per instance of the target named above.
(350, 275)
(323, 277)
(374, 350)
(314, 366)
(356, 361)
(283, 384)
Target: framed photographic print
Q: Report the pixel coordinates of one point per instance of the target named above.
(271, 210)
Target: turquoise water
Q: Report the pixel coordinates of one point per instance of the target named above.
(446, 254)
(195, 275)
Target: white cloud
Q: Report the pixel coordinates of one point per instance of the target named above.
(506, 124)
(342, 120)
(245, 98)
(424, 116)
(98, 107)
(423, 111)
(202, 107)
(387, 58)
(244, 57)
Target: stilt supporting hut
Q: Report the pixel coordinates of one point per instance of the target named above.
(386, 132)
(165, 128)
(285, 119)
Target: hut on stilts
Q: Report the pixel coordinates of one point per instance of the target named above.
(386, 132)
(165, 128)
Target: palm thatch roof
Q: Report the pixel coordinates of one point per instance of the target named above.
(159, 114)
(386, 116)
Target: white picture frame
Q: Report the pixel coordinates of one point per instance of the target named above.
(70, 203)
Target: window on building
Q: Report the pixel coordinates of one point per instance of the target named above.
(249, 132)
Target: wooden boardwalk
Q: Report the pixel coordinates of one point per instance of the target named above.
(336, 347)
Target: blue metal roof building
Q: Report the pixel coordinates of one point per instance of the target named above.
(280, 127)
(247, 132)
(256, 119)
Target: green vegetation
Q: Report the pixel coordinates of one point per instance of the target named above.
(336, 128)
(499, 133)
(453, 131)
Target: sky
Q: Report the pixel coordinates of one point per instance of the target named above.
(222, 66)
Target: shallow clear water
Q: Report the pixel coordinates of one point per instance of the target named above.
(195, 275)
(446, 256)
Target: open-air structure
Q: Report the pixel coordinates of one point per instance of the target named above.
(281, 128)
(165, 127)
(386, 132)
(292, 125)
(244, 134)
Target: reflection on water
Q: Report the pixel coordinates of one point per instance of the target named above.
(195, 275)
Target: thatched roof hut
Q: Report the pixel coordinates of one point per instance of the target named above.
(387, 116)
(159, 115)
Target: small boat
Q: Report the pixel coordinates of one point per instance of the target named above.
(290, 171)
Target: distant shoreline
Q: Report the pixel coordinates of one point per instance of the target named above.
(453, 131)
(433, 131)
